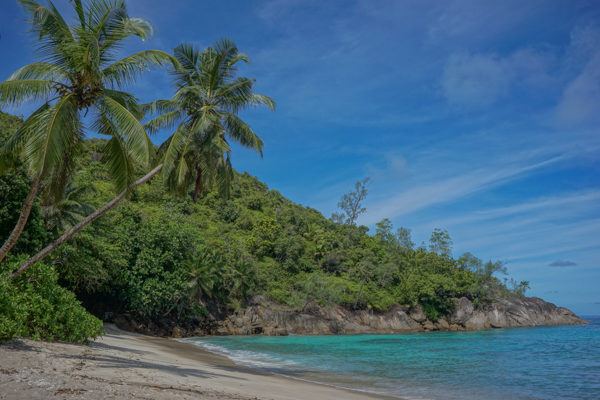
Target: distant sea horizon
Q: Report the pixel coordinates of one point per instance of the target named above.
(538, 363)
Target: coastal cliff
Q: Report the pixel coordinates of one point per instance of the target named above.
(268, 318)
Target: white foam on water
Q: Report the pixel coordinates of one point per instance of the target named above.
(277, 366)
(245, 357)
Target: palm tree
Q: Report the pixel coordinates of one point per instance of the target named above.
(203, 112)
(79, 73)
(65, 212)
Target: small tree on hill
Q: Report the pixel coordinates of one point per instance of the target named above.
(440, 242)
(351, 204)
(404, 238)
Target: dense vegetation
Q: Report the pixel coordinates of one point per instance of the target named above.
(199, 240)
(34, 305)
(166, 260)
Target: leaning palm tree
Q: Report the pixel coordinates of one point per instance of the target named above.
(203, 113)
(79, 73)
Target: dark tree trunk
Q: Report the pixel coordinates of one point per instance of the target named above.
(86, 221)
(197, 185)
(22, 221)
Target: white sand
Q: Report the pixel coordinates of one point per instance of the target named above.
(123, 365)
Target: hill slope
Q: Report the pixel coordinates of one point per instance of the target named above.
(257, 262)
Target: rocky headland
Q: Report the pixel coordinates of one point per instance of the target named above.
(268, 318)
(264, 317)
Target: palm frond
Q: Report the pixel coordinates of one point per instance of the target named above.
(47, 21)
(12, 147)
(49, 134)
(129, 68)
(127, 126)
(120, 165)
(40, 71)
(104, 16)
(59, 177)
(242, 133)
(79, 10)
(182, 173)
(111, 23)
(176, 143)
(19, 91)
(188, 58)
(238, 91)
(127, 100)
(137, 27)
(261, 99)
(224, 175)
(164, 121)
(159, 106)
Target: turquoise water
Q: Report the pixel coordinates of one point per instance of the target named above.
(523, 363)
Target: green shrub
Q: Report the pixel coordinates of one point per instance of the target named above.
(36, 306)
(155, 281)
(12, 310)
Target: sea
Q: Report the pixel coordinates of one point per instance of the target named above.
(538, 363)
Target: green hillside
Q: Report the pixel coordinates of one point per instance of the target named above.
(167, 261)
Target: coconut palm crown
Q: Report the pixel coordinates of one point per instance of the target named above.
(79, 73)
(203, 113)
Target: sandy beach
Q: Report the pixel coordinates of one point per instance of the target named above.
(124, 365)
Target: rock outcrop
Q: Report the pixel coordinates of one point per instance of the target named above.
(268, 318)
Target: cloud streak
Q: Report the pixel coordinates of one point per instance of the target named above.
(451, 189)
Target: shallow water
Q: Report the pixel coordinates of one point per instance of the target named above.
(524, 363)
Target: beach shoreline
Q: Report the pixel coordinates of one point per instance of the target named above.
(122, 364)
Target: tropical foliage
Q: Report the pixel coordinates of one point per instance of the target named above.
(164, 261)
(36, 306)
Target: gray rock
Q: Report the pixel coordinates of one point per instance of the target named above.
(265, 317)
(417, 314)
(463, 310)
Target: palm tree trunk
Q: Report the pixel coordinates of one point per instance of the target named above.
(197, 185)
(22, 221)
(86, 221)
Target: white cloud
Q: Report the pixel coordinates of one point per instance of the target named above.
(473, 21)
(479, 80)
(581, 98)
(475, 80)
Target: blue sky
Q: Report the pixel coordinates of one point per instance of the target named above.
(480, 117)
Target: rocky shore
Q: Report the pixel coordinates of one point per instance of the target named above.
(268, 318)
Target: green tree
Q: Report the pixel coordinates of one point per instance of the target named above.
(469, 262)
(204, 113)
(404, 238)
(440, 242)
(520, 287)
(383, 231)
(78, 73)
(351, 204)
(362, 272)
(14, 186)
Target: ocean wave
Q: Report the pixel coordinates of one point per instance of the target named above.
(245, 357)
(277, 365)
